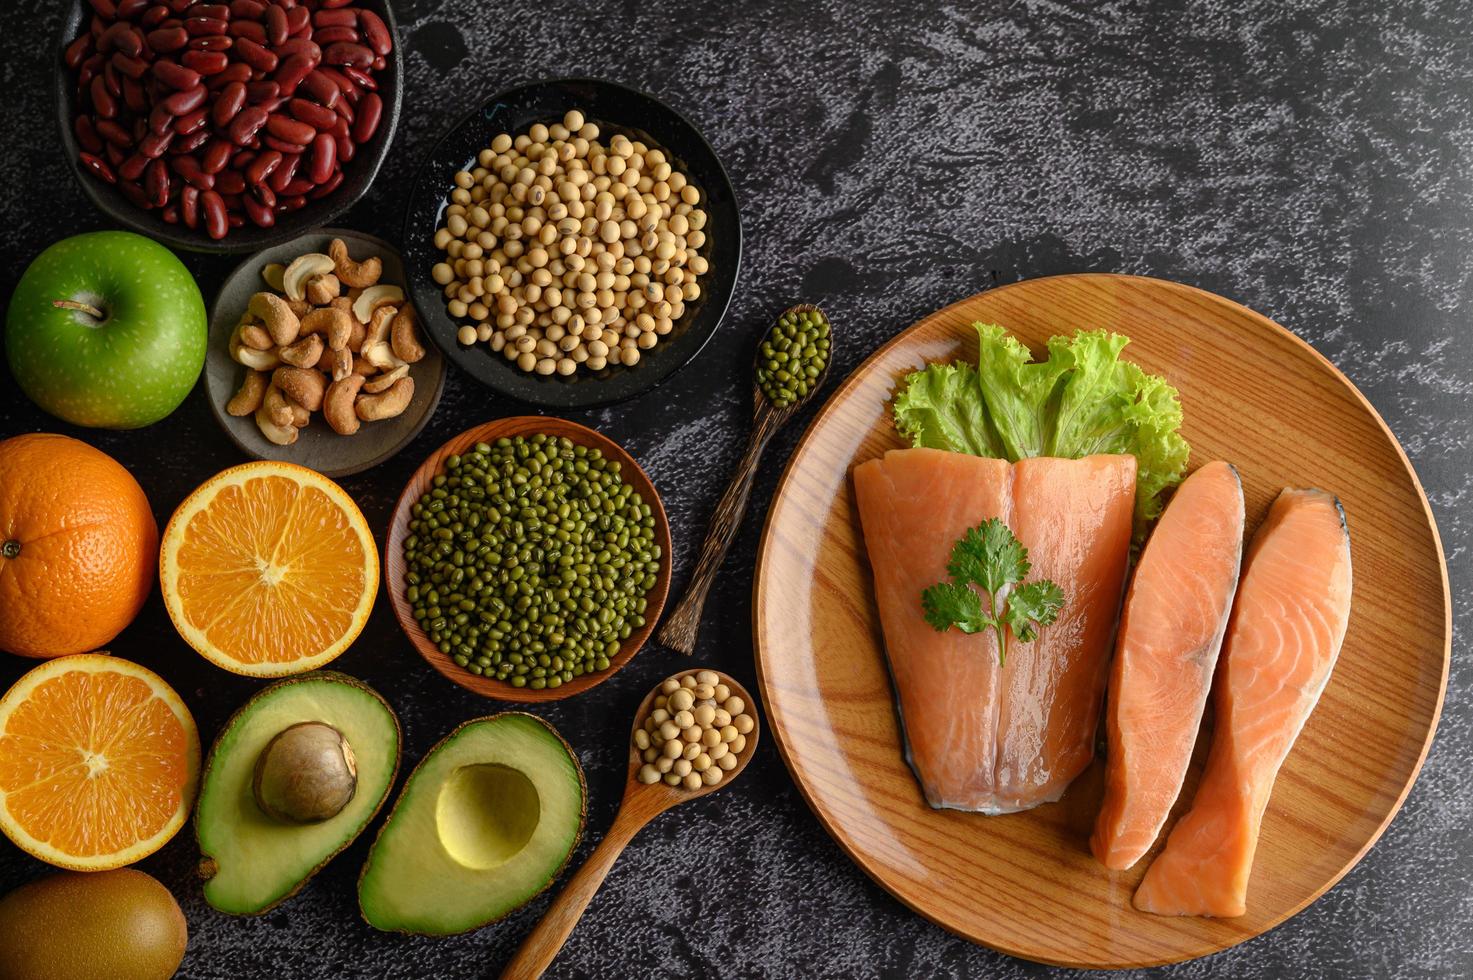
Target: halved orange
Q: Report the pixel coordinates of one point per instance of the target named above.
(269, 569)
(99, 760)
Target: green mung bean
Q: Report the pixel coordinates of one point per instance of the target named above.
(529, 560)
(793, 356)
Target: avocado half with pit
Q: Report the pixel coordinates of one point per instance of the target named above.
(293, 778)
(485, 823)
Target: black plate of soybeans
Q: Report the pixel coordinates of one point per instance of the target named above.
(357, 174)
(617, 111)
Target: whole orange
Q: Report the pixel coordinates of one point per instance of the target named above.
(78, 546)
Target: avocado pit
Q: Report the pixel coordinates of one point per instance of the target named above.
(307, 773)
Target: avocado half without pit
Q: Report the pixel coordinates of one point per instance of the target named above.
(295, 776)
(485, 823)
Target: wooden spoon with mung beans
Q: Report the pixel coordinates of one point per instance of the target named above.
(683, 623)
(643, 801)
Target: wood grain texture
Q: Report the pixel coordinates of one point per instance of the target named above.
(641, 804)
(522, 425)
(1254, 395)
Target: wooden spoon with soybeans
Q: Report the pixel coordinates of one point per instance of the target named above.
(661, 720)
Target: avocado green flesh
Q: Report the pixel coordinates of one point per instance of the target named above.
(484, 824)
(259, 860)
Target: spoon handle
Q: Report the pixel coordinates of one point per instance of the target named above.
(545, 941)
(684, 622)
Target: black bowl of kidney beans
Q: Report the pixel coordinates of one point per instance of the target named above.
(228, 126)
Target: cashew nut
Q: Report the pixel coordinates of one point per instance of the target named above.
(276, 407)
(299, 306)
(377, 330)
(354, 274)
(282, 435)
(280, 320)
(380, 355)
(255, 335)
(337, 325)
(337, 405)
(388, 404)
(304, 267)
(404, 336)
(303, 385)
(271, 275)
(304, 353)
(361, 366)
(260, 360)
(322, 290)
(248, 398)
(342, 364)
(373, 297)
(355, 339)
(385, 381)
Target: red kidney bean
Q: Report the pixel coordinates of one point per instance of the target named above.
(286, 173)
(246, 124)
(347, 53)
(175, 75)
(314, 115)
(277, 28)
(360, 79)
(370, 111)
(322, 190)
(376, 33)
(78, 51)
(154, 144)
(261, 192)
(219, 11)
(212, 42)
(258, 93)
(291, 73)
(166, 40)
(347, 149)
(132, 168)
(192, 142)
(98, 167)
(113, 133)
(135, 97)
(203, 26)
(192, 122)
(187, 101)
(103, 102)
(330, 4)
(214, 159)
(336, 35)
(86, 133)
(346, 113)
(298, 19)
(212, 212)
(120, 37)
(156, 181)
(135, 194)
(230, 182)
(324, 158)
(231, 100)
(261, 215)
(134, 68)
(291, 203)
(242, 9)
(291, 130)
(154, 16)
(250, 30)
(255, 55)
(238, 72)
(105, 8)
(263, 166)
(334, 18)
(170, 215)
(295, 188)
(206, 62)
(189, 205)
(322, 89)
(114, 153)
(160, 120)
(128, 9)
(188, 168)
(305, 47)
(280, 145)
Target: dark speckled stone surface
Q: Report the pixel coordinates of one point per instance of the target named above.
(1309, 160)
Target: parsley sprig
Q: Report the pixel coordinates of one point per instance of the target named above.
(989, 557)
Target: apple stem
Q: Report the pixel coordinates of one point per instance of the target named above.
(72, 304)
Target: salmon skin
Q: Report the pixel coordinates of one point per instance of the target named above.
(980, 736)
(1287, 625)
(1170, 633)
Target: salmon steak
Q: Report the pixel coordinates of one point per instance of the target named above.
(1287, 625)
(1171, 630)
(982, 736)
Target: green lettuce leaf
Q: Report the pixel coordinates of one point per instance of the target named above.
(1082, 400)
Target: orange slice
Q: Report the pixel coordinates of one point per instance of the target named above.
(269, 569)
(99, 760)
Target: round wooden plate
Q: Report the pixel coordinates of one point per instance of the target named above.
(1025, 883)
(522, 425)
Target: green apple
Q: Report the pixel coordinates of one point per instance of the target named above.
(106, 329)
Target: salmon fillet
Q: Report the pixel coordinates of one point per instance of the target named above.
(1287, 625)
(1170, 633)
(978, 736)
